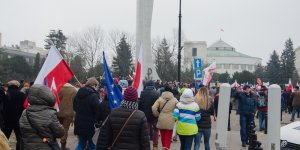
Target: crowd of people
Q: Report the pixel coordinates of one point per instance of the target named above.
(162, 111)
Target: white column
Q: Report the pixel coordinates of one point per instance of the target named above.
(274, 102)
(222, 120)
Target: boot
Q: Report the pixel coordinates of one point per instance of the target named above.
(155, 147)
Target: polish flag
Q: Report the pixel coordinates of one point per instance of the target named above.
(54, 74)
(211, 67)
(138, 81)
(207, 78)
(290, 87)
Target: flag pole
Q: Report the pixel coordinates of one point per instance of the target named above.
(77, 80)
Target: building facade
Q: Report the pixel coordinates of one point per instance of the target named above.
(27, 49)
(226, 57)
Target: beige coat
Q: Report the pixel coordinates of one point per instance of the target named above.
(3, 142)
(66, 96)
(165, 120)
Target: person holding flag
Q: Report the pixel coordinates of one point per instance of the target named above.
(86, 105)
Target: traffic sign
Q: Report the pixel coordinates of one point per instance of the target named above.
(197, 68)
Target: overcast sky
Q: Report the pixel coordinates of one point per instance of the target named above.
(253, 27)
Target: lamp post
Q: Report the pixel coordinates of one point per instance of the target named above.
(179, 42)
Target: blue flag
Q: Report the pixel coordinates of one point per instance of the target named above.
(113, 93)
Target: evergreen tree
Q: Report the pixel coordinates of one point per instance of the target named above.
(287, 60)
(260, 72)
(122, 62)
(273, 69)
(37, 64)
(58, 39)
(77, 66)
(243, 77)
(164, 65)
(96, 71)
(224, 77)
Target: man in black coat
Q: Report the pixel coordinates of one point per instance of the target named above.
(12, 111)
(86, 105)
(147, 98)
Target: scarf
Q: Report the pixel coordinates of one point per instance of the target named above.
(129, 104)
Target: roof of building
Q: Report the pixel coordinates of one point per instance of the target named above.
(222, 49)
(16, 52)
(221, 45)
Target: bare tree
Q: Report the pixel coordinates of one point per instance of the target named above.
(88, 44)
(114, 37)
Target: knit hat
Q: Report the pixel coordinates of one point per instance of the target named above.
(130, 94)
(187, 96)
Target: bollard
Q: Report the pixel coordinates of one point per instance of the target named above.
(274, 110)
(222, 121)
(266, 123)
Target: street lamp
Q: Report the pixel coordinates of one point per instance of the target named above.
(179, 42)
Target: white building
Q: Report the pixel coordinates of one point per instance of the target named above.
(297, 62)
(225, 55)
(30, 47)
(193, 49)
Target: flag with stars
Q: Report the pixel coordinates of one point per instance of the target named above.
(114, 94)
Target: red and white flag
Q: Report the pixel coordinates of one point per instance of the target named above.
(259, 82)
(138, 81)
(290, 86)
(207, 78)
(211, 67)
(54, 74)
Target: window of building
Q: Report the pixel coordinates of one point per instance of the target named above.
(8, 56)
(194, 51)
(235, 66)
(250, 67)
(227, 66)
(243, 67)
(219, 66)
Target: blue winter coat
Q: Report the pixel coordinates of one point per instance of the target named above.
(247, 103)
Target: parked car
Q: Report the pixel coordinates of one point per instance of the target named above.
(289, 136)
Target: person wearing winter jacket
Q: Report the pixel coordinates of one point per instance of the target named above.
(205, 104)
(246, 109)
(147, 98)
(86, 106)
(66, 113)
(39, 122)
(163, 109)
(12, 111)
(186, 113)
(134, 135)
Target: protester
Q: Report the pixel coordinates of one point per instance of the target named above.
(246, 109)
(126, 127)
(86, 105)
(12, 111)
(147, 98)
(2, 99)
(262, 107)
(104, 108)
(66, 113)
(186, 114)
(205, 104)
(3, 142)
(295, 98)
(163, 108)
(39, 124)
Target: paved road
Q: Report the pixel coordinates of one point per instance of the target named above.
(233, 139)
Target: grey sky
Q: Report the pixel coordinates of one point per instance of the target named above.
(253, 27)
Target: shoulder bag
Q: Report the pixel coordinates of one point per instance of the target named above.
(52, 143)
(112, 145)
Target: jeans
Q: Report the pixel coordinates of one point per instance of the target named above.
(295, 109)
(206, 133)
(155, 135)
(245, 119)
(262, 119)
(186, 142)
(82, 141)
(166, 138)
